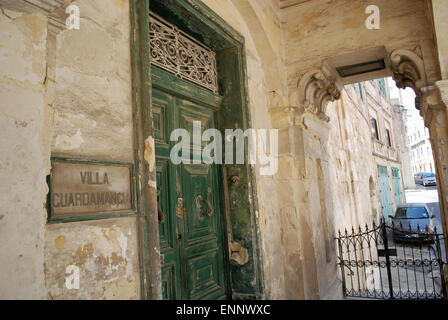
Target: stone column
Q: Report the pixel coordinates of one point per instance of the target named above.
(298, 255)
(438, 127)
(435, 114)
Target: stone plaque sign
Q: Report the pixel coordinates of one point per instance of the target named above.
(85, 188)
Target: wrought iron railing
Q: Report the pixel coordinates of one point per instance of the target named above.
(391, 262)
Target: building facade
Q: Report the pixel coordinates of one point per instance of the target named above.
(400, 120)
(386, 137)
(421, 151)
(89, 190)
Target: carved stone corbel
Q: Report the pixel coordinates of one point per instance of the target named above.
(316, 89)
(408, 70)
(435, 101)
(442, 87)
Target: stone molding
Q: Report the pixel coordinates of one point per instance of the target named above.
(319, 86)
(435, 100)
(45, 7)
(316, 89)
(442, 87)
(53, 9)
(408, 70)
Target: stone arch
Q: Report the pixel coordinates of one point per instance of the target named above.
(319, 86)
(265, 48)
(408, 70)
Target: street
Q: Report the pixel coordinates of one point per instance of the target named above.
(428, 195)
(414, 272)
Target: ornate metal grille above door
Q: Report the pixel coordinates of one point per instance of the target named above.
(176, 52)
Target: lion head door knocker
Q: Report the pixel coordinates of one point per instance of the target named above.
(200, 201)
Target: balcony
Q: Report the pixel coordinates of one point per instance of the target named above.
(379, 147)
(383, 151)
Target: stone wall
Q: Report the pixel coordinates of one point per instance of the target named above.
(22, 158)
(340, 25)
(64, 95)
(401, 136)
(70, 95)
(93, 120)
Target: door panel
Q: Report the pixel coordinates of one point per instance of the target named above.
(201, 226)
(190, 235)
(202, 245)
(385, 192)
(166, 232)
(169, 249)
(204, 276)
(397, 185)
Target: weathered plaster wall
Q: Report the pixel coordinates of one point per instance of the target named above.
(93, 106)
(352, 164)
(440, 12)
(105, 253)
(93, 120)
(22, 163)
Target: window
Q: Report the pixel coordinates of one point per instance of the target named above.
(412, 213)
(382, 85)
(389, 139)
(375, 131)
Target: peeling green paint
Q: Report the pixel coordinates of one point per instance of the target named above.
(201, 22)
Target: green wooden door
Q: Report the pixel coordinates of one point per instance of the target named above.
(190, 233)
(397, 185)
(385, 192)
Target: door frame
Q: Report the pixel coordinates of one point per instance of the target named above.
(201, 22)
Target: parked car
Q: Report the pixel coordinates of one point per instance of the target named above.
(425, 178)
(417, 176)
(413, 222)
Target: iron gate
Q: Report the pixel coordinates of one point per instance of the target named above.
(389, 262)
